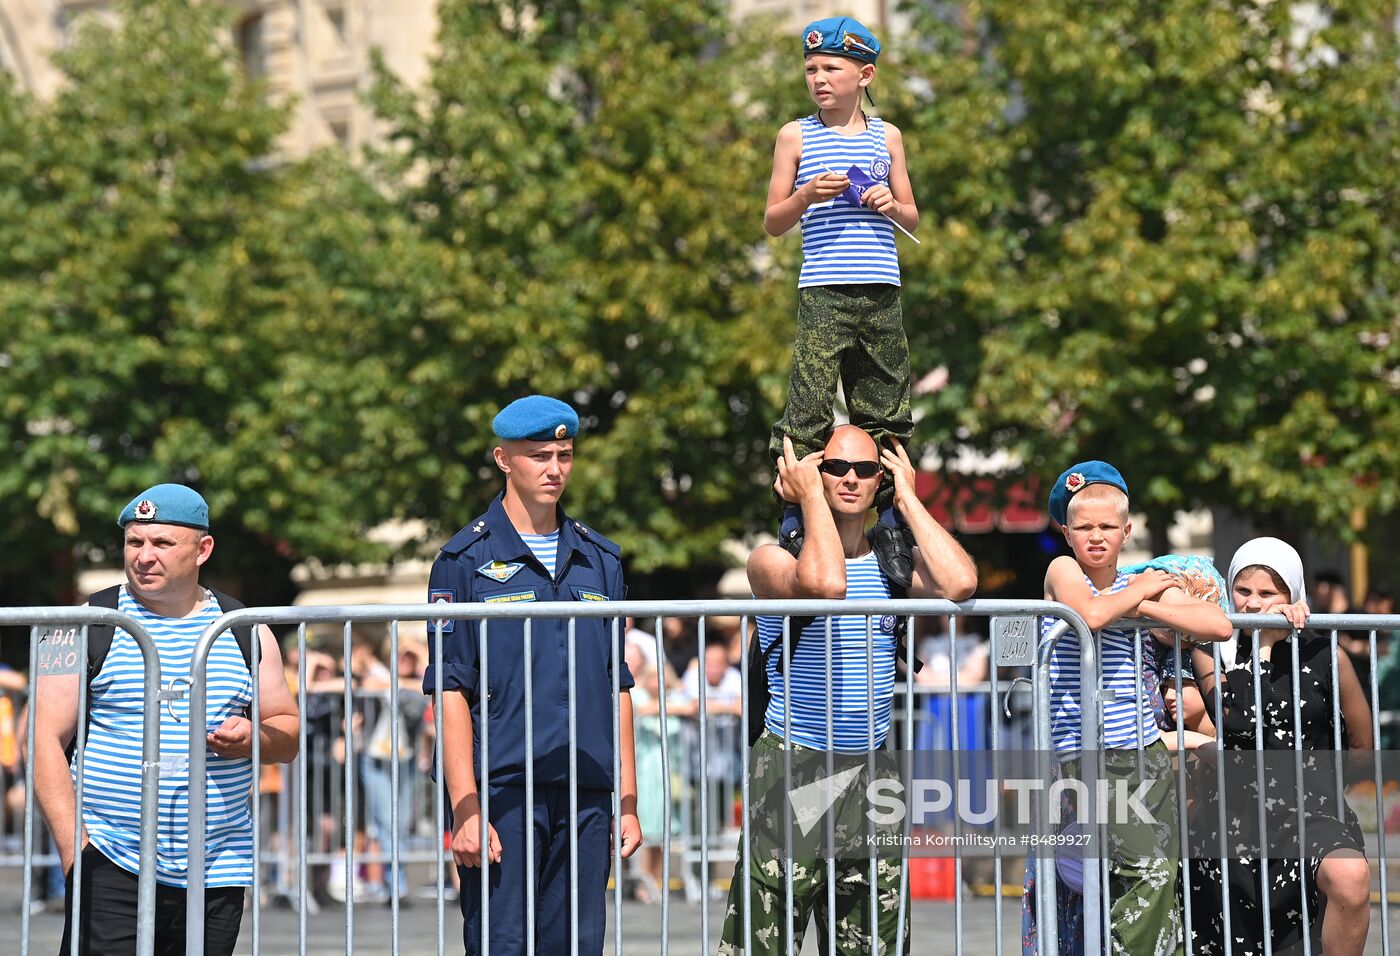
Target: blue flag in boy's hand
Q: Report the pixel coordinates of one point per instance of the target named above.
(860, 182)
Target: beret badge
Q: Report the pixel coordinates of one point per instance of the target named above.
(1074, 482)
(851, 41)
(813, 39)
(561, 430)
(145, 510)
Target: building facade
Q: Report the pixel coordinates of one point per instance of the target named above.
(315, 54)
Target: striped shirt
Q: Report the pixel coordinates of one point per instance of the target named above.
(1124, 709)
(844, 244)
(545, 547)
(112, 762)
(849, 692)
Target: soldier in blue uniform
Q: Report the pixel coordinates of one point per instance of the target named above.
(524, 549)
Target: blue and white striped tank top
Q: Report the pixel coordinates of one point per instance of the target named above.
(843, 244)
(849, 694)
(1124, 709)
(545, 547)
(112, 767)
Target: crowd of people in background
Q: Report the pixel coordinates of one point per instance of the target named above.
(684, 665)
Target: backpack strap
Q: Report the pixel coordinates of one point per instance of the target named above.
(100, 636)
(901, 629)
(245, 634)
(99, 639)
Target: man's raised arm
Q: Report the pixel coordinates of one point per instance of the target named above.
(820, 572)
(942, 568)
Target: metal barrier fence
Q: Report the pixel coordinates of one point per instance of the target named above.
(699, 828)
(58, 647)
(1024, 612)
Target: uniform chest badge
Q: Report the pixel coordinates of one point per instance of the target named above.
(879, 169)
(501, 571)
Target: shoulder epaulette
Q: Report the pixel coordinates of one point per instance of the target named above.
(588, 534)
(467, 537)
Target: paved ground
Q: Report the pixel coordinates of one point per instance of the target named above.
(933, 929)
(641, 930)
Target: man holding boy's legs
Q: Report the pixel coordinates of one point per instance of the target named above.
(836, 487)
(1090, 503)
(842, 175)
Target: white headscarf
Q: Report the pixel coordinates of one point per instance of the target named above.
(1279, 557)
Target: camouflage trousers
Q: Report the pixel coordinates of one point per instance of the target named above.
(841, 840)
(1145, 912)
(1143, 858)
(854, 333)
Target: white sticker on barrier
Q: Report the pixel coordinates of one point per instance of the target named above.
(58, 653)
(1013, 641)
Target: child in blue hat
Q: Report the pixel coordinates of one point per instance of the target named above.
(1089, 502)
(841, 173)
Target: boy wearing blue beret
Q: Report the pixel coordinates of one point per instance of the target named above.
(1089, 502)
(841, 173)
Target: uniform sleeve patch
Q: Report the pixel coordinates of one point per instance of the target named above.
(514, 597)
(442, 596)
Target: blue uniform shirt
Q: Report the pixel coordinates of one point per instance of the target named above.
(488, 562)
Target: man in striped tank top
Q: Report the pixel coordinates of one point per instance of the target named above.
(1089, 502)
(841, 174)
(835, 486)
(166, 541)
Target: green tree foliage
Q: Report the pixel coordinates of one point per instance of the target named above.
(592, 175)
(1164, 234)
(165, 293)
(1161, 233)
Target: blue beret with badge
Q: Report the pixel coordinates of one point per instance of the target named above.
(167, 504)
(536, 418)
(1078, 477)
(840, 36)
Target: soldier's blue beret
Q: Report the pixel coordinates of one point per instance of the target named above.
(536, 418)
(167, 504)
(1078, 477)
(841, 36)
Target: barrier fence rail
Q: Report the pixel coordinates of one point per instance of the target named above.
(700, 828)
(438, 614)
(62, 650)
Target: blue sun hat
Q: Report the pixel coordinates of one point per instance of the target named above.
(536, 418)
(840, 36)
(167, 504)
(1078, 477)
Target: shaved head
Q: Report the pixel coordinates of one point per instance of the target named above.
(852, 443)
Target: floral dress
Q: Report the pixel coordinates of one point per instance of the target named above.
(1329, 824)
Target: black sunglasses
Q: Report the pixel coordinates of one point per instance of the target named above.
(837, 468)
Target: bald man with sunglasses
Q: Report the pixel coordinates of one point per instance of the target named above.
(836, 488)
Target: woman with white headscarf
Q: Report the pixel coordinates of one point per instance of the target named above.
(1266, 577)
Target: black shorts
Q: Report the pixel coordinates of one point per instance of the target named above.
(107, 924)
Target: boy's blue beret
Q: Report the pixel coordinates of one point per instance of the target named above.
(840, 36)
(536, 418)
(1078, 477)
(167, 504)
